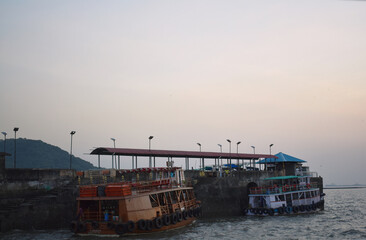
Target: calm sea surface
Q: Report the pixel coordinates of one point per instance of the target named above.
(344, 217)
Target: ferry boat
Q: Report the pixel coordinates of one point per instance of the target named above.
(285, 195)
(136, 207)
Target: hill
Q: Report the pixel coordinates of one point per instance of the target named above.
(38, 154)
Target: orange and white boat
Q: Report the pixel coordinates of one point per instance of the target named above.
(136, 207)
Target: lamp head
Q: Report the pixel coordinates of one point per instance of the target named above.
(4, 133)
(199, 144)
(238, 143)
(113, 139)
(72, 132)
(271, 145)
(16, 129)
(151, 137)
(228, 140)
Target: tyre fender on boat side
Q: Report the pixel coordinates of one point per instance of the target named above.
(158, 222)
(120, 228)
(265, 211)
(288, 210)
(81, 227)
(179, 216)
(130, 226)
(271, 211)
(280, 210)
(173, 218)
(141, 224)
(149, 225)
(185, 214)
(308, 208)
(166, 220)
(295, 209)
(259, 211)
(111, 225)
(95, 225)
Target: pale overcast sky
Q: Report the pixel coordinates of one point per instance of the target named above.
(291, 73)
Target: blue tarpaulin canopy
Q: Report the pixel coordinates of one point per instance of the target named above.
(232, 165)
(281, 157)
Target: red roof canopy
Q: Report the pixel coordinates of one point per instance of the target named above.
(175, 154)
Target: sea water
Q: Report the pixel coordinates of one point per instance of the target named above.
(344, 217)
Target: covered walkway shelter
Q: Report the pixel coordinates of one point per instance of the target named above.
(170, 154)
(283, 162)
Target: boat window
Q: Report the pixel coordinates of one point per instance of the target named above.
(174, 197)
(280, 198)
(302, 195)
(154, 200)
(295, 196)
(307, 194)
(185, 195)
(168, 198)
(161, 198)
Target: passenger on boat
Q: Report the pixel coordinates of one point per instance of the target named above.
(80, 214)
(106, 216)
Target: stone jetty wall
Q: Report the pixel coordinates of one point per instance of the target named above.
(45, 199)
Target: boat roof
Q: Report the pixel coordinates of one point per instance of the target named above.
(282, 177)
(281, 157)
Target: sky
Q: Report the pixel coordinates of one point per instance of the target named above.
(288, 73)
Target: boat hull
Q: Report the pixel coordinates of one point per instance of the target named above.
(109, 229)
(302, 209)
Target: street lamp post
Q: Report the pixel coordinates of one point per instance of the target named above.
(15, 146)
(220, 147)
(4, 133)
(229, 150)
(71, 133)
(113, 156)
(150, 163)
(253, 159)
(237, 152)
(270, 153)
(199, 144)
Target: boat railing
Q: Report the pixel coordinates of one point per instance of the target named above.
(306, 173)
(134, 187)
(282, 188)
(92, 215)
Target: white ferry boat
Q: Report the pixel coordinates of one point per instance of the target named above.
(291, 193)
(285, 195)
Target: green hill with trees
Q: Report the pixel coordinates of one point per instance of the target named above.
(38, 154)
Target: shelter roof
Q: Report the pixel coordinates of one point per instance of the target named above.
(281, 157)
(281, 177)
(175, 154)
